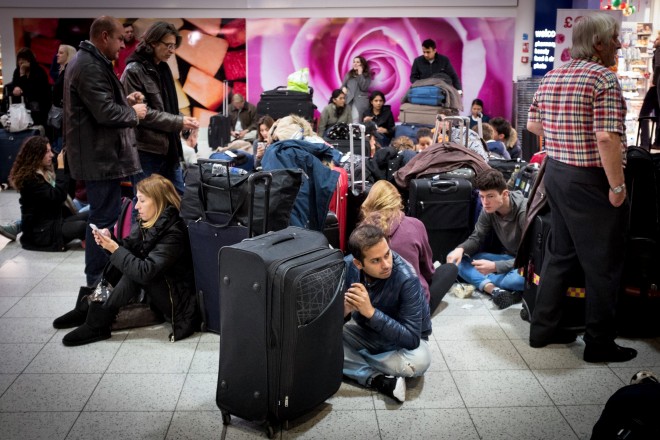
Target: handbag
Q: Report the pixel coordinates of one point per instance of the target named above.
(109, 279)
(224, 190)
(55, 116)
(19, 118)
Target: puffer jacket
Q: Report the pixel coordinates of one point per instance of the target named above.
(162, 253)
(402, 314)
(152, 134)
(98, 122)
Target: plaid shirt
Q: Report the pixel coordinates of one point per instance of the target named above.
(574, 102)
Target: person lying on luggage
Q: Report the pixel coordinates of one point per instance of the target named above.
(503, 213)
(386, 337)
(155, 257)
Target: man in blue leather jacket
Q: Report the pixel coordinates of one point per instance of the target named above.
(387, 338)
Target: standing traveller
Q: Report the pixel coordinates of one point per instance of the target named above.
(147, 72)
(356, 88)
(580, 110)
(98, 131)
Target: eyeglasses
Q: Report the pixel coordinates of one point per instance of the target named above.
(169, 46)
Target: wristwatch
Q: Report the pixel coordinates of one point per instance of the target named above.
(618, 189)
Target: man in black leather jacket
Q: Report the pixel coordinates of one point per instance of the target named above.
(387, 338)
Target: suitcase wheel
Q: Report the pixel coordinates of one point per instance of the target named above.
(270, 431)
(226, 417)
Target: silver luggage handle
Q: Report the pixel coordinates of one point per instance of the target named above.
(440, 127)
(351, 144)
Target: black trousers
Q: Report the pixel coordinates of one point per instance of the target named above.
(650, 105)
(127, 289)
(586, 230)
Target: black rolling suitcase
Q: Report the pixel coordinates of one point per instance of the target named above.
(280, 102)
(507, 166)
(281, 351)
(220, 125)
(574, 302)
(208, 235)
(10, 143)
(445, 205)
(523, 180)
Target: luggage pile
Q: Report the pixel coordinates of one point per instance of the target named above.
(428, 98)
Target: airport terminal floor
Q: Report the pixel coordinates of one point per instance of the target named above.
(485, 382)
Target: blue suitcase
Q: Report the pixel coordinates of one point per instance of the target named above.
(10, 143)
(427, 95)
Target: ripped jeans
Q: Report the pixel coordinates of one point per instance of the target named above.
(366, 355)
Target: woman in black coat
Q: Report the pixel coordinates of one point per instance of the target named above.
(380, 115)
(31, 82)
(47, 221)
(155, 258)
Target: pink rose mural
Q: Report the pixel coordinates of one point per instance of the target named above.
(480, 49)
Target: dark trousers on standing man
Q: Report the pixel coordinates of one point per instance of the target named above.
(586, 230)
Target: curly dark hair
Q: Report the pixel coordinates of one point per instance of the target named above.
(29, 160)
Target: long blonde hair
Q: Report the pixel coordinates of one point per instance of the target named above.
(383, 206)
(70, 53)
(162, 192)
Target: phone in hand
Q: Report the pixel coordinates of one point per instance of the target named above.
(94, 227)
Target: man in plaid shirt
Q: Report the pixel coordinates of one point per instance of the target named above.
(580, 110)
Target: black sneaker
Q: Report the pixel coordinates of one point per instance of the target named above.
(608, 353)
(391, 386)
(504, 298)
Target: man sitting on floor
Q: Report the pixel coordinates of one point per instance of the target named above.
(503, 213)
(387, 338)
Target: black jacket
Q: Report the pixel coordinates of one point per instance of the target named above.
(36, 92)
(41, 213)
(441, 68)
(162, 253)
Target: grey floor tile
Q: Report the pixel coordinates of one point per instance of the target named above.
(121, 425)
(29, 330)
(198, 393)
(500, 388)
(40, 307)
(16, 286)
(512, 325)
(36, 425)
(554, 356)
(57, 358)
(481, 355)
(7, 302)
(452, 306)
(206, 358)
(433, 390)
(461, 328)
(591, 386)
(437, 359)
(538, 423)
(24, 269)
(582, 418)
(626, 373)
(49, 392)
(15, 357)
(136, 392)
(452, 424)
(198, 425)
(52, 286)
(5, 381)
(32, 257)
(9, 250)
(150, 358)
(157, 333)
(351, 396)
(353, 424)
(648, 353)
(208, 337)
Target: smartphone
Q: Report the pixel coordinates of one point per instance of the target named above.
(93, 226)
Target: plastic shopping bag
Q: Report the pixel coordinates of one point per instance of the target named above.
(299, 80)
(19, 117)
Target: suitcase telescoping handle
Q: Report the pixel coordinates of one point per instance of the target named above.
(254, 178)
(442, 186)
(351, 143)
(225, 99)
(645, 119)
(442, 122)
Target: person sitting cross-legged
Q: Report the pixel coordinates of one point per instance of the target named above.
(503, 213)
(386, 337)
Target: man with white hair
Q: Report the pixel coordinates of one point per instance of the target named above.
(580, 110)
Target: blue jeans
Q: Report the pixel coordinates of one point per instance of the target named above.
(104, 197)
(509, 281)
(367, 355)
(157, 164)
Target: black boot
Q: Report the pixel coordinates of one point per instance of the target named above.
(75, 317)
(96, 326)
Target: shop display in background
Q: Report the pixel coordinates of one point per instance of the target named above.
(212, 50)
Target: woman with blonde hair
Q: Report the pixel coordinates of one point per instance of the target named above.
(383, 207)
(154, 258)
